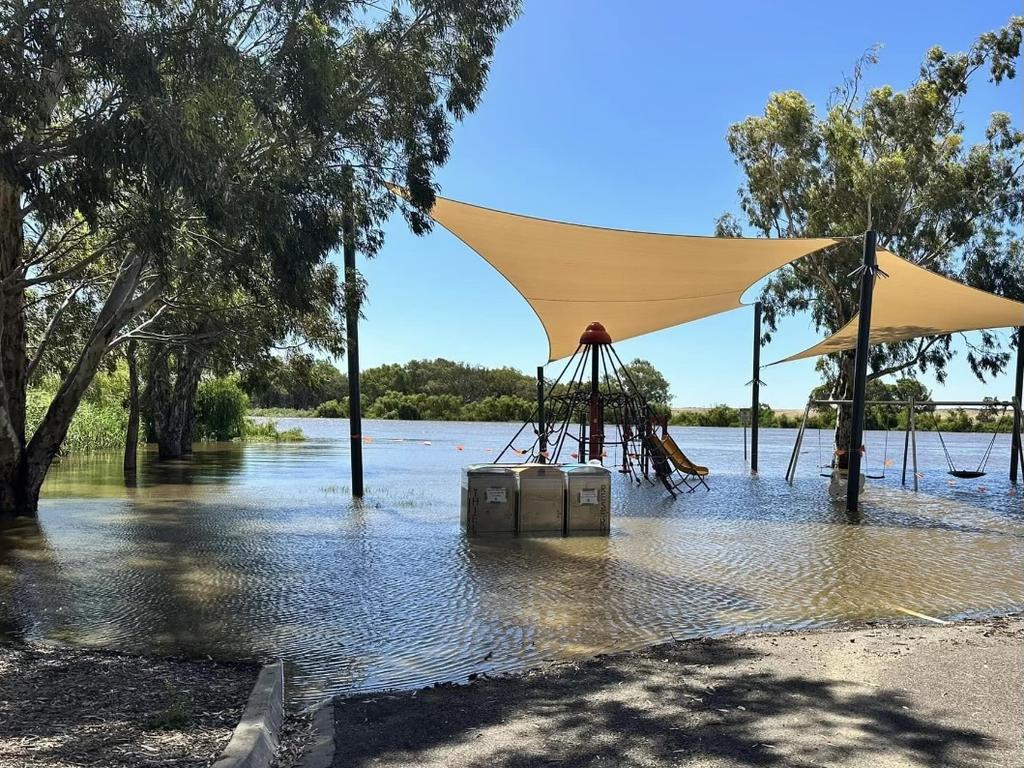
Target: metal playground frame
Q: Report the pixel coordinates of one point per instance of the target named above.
(910, 437)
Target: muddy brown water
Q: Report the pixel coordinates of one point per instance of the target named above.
(257, 550)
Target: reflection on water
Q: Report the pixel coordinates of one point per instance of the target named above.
(257, 549)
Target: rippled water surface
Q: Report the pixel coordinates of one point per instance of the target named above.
(257, 550)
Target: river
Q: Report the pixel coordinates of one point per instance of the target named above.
(257, 550)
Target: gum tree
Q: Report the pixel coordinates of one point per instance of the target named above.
(139, 140)
(897, 162)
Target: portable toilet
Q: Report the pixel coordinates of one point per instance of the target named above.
(488, 499)
(588, 504)
(541, 498)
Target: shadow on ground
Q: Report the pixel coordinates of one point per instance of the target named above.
(706, 703)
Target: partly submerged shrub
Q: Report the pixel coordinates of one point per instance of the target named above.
(332, 409)
(267, 432)
(221, 406)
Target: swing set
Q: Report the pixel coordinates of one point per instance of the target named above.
(910, 440)
(969, 474)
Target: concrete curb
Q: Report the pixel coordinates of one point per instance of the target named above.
(320, 752)
(254, 742)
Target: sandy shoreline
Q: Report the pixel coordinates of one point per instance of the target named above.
(880, 695)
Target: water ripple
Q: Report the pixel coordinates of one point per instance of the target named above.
(257, 550)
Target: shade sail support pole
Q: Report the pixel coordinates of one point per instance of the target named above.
(1016, 449)
(906, 440)
(868, 273)
(755, 394)
(542, 426)
(913, 444)
(355, 411)
(595, 449)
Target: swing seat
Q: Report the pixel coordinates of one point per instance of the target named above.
(967, 474)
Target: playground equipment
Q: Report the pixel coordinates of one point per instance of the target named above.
(969, 474)
(568, 272)
(507, 499)
(692, 474)
(593, 392)
(910, 440)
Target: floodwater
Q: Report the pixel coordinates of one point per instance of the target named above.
(257, 550)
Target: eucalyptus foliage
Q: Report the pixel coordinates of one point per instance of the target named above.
(153, 154)
(899, 162)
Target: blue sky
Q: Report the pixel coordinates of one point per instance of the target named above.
(615, 114)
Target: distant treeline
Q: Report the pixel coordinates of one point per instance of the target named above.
(989, 419)
(436, 390)
(444, 390)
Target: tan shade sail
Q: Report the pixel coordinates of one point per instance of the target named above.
(631, 282)
(913, 301)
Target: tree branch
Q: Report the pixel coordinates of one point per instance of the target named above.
(50, 328)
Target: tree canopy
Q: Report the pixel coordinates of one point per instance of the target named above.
(150, 148)
(896, 161)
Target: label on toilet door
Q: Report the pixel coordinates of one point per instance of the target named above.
(588, 496)
(496, 495)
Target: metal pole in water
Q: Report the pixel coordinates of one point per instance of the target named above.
(860, 370)
(906, 441)
(755, 398)
(542, 434)
(913, 442)
(791, 469)
(595, 402)
(1015, 446)
(355, 415)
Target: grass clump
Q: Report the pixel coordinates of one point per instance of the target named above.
(175, 715)
(267, 432)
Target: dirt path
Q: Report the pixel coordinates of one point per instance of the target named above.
(68, 707)
(880, 697)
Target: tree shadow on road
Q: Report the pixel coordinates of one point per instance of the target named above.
(694, 703)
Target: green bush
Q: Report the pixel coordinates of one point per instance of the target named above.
(332, 409)
(221, 406)
(286, 413)
(101, 420)
(503, 408)
(395, 405)
(267, 432)
(720, 416)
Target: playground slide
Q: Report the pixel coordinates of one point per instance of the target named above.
(678, 458)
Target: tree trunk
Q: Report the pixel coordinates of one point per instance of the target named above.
(131, 440)
(13, 357)
(119, 307)
(844, 413)
(186, 387)
(172, 405)
(158, 398)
